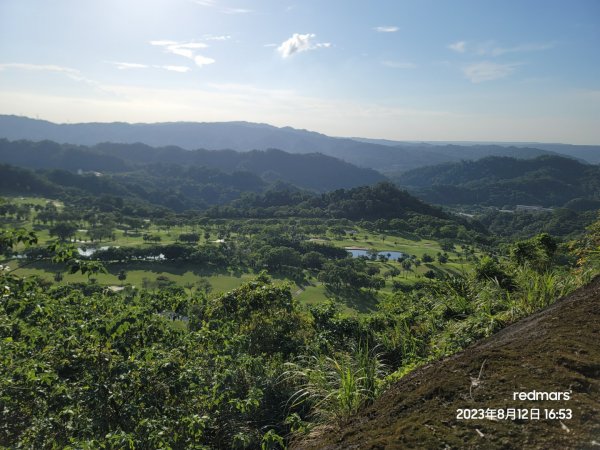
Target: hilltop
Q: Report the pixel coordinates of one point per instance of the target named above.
(385, 156)
(554, 350)
(311, 171)
(547, 180)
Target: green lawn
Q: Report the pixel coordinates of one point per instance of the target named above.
(145, 274)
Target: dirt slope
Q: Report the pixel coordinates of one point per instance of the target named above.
(555, 350)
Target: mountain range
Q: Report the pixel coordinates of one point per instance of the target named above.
(547, 180)
(381, 155)
(311, 171)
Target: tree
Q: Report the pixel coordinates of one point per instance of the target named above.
(152, 238)
(430, 274)
(372, 254)
(538, 251)
(189, 238)
(63, 230)
(204, 286)
(313, 260)
(488, 269)
(99, 233)
(122, 276)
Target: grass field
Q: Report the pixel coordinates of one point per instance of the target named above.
(186, 276)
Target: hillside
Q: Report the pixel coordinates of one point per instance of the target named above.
(246, 136)
(588, 153)
(498, 181)
(309, 171)
(554, 350)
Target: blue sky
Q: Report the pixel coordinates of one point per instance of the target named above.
(526, 70)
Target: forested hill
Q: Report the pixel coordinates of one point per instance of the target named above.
(391, 208)
(308, 171)
(497, 181)
(247, 136)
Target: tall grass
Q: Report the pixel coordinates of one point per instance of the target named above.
(538, 290)
(334, 388)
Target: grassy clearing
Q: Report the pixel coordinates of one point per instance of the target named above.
(146, 274)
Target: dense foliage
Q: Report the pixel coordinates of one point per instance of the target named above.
(82, 367)
(501, 181)
(309, 171)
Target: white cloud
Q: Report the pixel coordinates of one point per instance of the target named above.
(210, 37)
(163, 43)
(488, 71)
(386, 29)
(300, 43)
(185, 49)
(125, 65)
(69, 72)
(490, 48)
(40, 67)
(459, 47)
(399, 64)
(204, 2)
(224, 10)
(236, 11)
(191, 45)
(203, 60)
(181, 69)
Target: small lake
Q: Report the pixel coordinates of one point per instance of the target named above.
(390, 254)
(89, 251)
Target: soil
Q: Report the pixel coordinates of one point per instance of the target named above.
(554, 350)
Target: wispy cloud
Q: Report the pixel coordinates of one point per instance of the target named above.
(211, 37)
(69, 72)
(488, 71)
(222, 9)
(203, 60)
(300, 43)
(459, 47)
(186, 49)
(181, 69)
(129, 66)
(209, 3)
(492, 49)
(235, 11)
(399, 64)
(126, 65)
(386, 29)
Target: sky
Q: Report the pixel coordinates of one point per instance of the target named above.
(460, 70)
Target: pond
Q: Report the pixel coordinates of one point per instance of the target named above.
(390, 254)
(89, 251)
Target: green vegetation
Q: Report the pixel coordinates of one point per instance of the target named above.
(183, 307)
(195, 175)
(514, 197)
(550, 181)
(86, 367)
